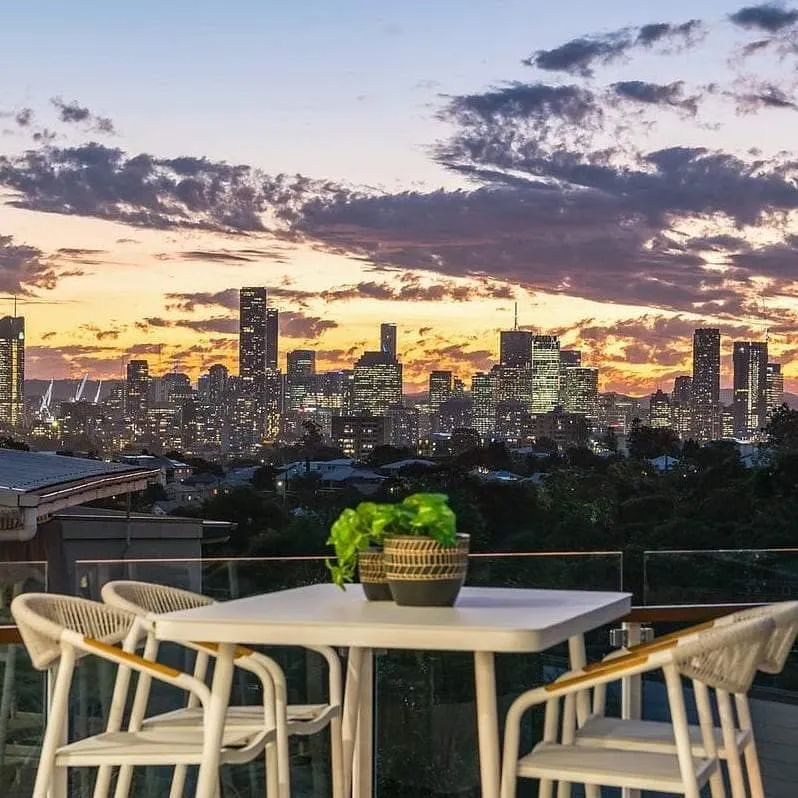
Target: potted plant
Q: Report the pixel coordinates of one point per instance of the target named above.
(357, 538)
(425, 559)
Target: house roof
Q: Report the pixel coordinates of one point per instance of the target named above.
(50, 482)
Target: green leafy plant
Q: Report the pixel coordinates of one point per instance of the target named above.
(422, 514)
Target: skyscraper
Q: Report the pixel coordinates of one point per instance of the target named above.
(272, 338)
(440, 389)
(571, 358)
(388, 340)
(706, 384)
(12, 369)
(749, 408)
(580, 391)
(515, 348)
(377, 384)
(681, 405)
(775, 387)
(659, 410)
(483, 394)
(217, 384)
(137, 395)
(300, 373)
(252, 339)
(545, 373)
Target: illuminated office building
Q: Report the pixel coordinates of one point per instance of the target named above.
(681, 406)
(299, 378)
(12, 369)
(749, 407)
(545, 373)
(515, 348)
(376, 384)
(579, 391)
(483, 395)
(775, 386)
(137, 395)
(706, 384)
(659, 410)
(388, 340)
(440, 389)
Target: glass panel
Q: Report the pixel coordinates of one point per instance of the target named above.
(720, 577)
(426, 737)
(16, 578)
(22, 691)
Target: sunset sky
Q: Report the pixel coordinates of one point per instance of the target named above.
(624, 177)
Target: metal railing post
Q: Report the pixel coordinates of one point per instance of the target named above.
(631, 689)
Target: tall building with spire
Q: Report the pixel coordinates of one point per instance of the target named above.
(749, 407)
(706, 384)
(12, 369)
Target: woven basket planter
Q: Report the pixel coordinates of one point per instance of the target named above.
(422, 573)
(371, 569)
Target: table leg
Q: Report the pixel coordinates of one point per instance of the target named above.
(487, 723)
(216, 712)
(350, 713)
(363, 760)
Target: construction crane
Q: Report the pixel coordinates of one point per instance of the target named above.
(45, 410)
(81, 388)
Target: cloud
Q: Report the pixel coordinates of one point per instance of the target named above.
(233, 257)
(72, 113)
(579, 56)
(296, 325)
(24, 117)
(762, 96)
(670, 94)
(110, 334)
(189, 302)
(106, 183)
(23, 268)
(767, 17)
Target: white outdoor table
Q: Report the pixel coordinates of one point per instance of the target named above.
(484, 621)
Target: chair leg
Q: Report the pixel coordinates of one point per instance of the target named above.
(681, 732)
(337, 757)
(178, 781)
(753, 771)
(728, 726)
(704, 706)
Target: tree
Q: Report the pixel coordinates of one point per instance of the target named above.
(610, 440)
(650, 442)
(783, 429)
(383, 455)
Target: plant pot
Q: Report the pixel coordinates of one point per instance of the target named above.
(371, 569)
(422, 573)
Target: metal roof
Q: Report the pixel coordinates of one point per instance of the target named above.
(50, 482)
(29, 471)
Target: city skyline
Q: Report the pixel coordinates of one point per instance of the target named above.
(569, 164)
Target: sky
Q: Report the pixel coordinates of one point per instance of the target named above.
(624, 177)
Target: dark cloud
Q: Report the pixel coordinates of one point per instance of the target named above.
(189, 302)
(219, 324)
(24, 117)
(23, 268)
(296, 325)
(670, 94)
(234, 257)
(579, 56)
(764, 95)
(110, 334)
(106, 183)
(48, 335)
(71, 112)
(767, 17)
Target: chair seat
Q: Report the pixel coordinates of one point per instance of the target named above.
(152, 747)
(647, 735)
(610, 767)
(302, 718)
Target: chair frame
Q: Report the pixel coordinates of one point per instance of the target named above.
(72, 637)
(687, 657)
(265, 668)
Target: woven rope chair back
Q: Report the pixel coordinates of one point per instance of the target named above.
(42, 617)
(726, 657)
(785, 618)
(143, 598)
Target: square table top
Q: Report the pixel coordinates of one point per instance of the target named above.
(483, 619)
